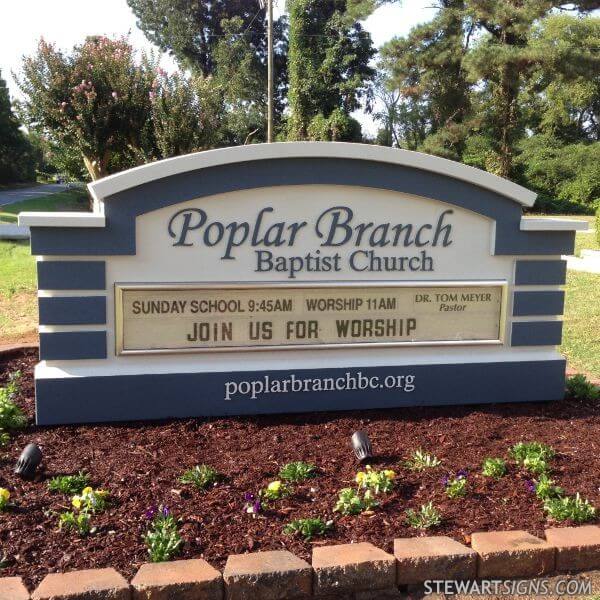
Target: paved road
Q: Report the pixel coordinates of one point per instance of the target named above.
(11, 196)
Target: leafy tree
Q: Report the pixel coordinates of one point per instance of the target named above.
(426, 70)
(186, 113)
(95, 99)
(17, 156)
(329, 71)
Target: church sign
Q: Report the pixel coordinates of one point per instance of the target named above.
(296, 277)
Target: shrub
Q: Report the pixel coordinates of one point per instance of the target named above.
(420, 460)
(426, 517)
(11, 416)
(494, 467)
(69, 484)
(351, 503)
(162, 538)
(307, 528)
(295, 472)
(579, 388)
(570, 508)
(80, 522)
(4, 498)
(376, 481)
(545, 488)
(597, 223)
(201, 476)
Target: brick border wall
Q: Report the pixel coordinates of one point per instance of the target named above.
(352, 571)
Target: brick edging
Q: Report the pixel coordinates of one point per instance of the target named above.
(352, 570)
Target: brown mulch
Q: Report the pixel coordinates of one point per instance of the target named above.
(139, 465)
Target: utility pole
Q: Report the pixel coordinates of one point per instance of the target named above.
(270, 71)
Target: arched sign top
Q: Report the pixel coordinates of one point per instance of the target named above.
(137, 176)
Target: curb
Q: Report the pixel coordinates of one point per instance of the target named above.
(10, 349)
(352, 571)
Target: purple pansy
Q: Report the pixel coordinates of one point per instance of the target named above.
(462, 474)
(150, 513)
(530, 485)
(165, 511)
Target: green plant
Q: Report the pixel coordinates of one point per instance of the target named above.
(4, 498)
(533, 456)
(275, 491)
(579, 388)
(81, 522)
(307, 528)
(597, 223)
(69, 484)
(545, 488)
(4, 438)
(426, 517)
(297, 471)
(494, 467)
(90, 500)
(456, 487)
(201, 476)
(11, 416)
(351, 503)
(376, 481)
(162, 538)
(420, 460)
(570, 508)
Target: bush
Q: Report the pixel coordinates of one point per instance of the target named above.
(351, 503)
(162, 538)
(597, 223)
(11, 416)
(579, 388)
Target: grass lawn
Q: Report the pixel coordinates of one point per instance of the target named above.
(76, 199)
(18, 306)
(585, 241)
(581, 331)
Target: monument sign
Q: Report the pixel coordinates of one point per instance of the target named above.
(296, 277)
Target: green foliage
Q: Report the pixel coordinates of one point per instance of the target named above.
(201, 476)
(95, 99)
(275, 491)
(80, 522)
(162, 539)
(295, 472)
(350, 502)
(4, 438)
(11, 416)
(69, 484)
(494, 467)
(375, 481)
(421, 460)
(546, 488)
(17, 156)
(579, 388)
(533, 456)
(597, 224)
(329, 70)
(307, 528)
(570, 508)
(456, 487)
(427, 517)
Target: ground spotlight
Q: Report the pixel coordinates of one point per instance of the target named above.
(29, 461)
(362, 445)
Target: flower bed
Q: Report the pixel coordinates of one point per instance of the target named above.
(140, 466)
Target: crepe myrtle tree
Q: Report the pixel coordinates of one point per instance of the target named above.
(95, 99)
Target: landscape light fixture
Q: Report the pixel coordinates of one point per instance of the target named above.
(29, 461)
(362, 445)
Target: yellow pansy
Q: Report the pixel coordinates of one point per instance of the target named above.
(76, 502)
(390, 474)
(274, 486)
(4, 495)
(87, 491)
(360, 477)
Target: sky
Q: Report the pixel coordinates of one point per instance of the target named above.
(68, 22)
